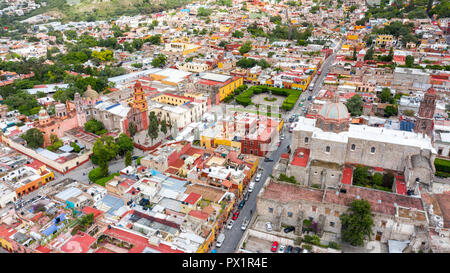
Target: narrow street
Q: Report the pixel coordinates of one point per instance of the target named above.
(234, 235)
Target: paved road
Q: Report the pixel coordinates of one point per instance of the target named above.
(233, 236)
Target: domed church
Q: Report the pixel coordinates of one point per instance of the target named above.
(326, 149)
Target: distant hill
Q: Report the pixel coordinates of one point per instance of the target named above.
(91, 10)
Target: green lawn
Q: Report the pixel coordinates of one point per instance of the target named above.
(104, 180)
(254, 112)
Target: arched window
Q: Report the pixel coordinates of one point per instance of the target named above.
(353, 147)
(372, 150)
(327, 149)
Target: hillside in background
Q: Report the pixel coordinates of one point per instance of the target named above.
(92, 10)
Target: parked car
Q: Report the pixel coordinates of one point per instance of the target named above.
(245, 224)
(220, 240)
(297, 250)
(289, 229)
(266, 159)
(134, 157)
(246, 196)
(289, 249)
(251, 186)
(241, 205)
(281, 249)
(310, 97)
(258, 177)
(230, 224)
(236, 215)
(274, 246)
(268, 226)
(282, 137)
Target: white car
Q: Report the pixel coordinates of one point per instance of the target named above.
(245, 224)
(230, 224)
(282, 137)
(268, 226)
(258, 177)
(281, 249)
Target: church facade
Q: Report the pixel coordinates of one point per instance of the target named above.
(323, 147)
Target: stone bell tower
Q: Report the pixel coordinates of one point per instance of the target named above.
(425, 117)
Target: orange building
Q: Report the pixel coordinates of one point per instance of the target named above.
(28, 177)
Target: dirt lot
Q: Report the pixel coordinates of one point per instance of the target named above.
(258, 245)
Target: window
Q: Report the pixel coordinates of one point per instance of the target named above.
(271, 210)
(331, 224)
(440, 151)
(289, 214)
(314, 208)
(327, 211)
(383, 224)
(353, 147)
(372, 150)
(327, 149)
(306, 140)
(336, 213)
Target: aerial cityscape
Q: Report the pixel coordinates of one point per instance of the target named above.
(225, 126)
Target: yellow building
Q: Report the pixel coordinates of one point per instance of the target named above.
(384, 40)
(224, 28)
(219, 86)
(185, 48)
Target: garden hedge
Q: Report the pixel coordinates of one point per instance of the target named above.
(442, 165)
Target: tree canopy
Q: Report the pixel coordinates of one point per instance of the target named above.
(355, 105)
(34, 138)
(357, 223)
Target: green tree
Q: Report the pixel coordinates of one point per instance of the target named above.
(246, 47)
(71, 34)
(164, 126)
(154, 40)
(355, 105)
(153, 126)
(361, 175)
(409, 61)
(34, 138)
(125, 144)
(386, 95)
(104, 150)
(369, 54)
(94, 126)
(237, 34)
(357, 223)
(390, 110)
(128, 158)
(75, 147)
(132, 129)
(159, 61)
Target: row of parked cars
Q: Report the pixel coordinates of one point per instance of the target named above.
(286, 249)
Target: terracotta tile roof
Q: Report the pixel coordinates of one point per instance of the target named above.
(192, 198)
(43, 249)
(199, 214)
(139, 242)
(387, 199)
(89, 210)
(227, 183)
